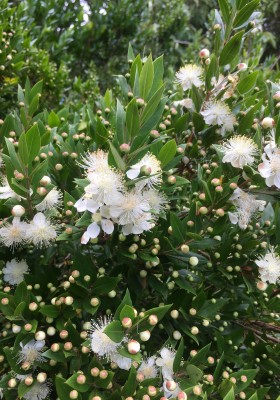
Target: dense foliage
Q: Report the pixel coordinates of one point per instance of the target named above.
(139, 231)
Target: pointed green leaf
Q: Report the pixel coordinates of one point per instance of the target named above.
(167, 152)
(231, 49)
(146, 78)
(245, 13)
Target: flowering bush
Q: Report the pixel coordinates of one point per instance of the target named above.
(140, 240)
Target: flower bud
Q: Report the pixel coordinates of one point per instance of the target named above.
(103, 374)
(125, 148)
(154, 134)
(42, 377)
(193, 261)
(94, 371)
(25, 365)
(145, 336)
(197, 390)
(242, 66)
(174, 314)
(28, 381)
(18, 211)
(140, 377)
(133, 347)
(126, 322)
(276, 96)
(171, 179)
(73, 394)
(81, 379)
(41, 191)
(55, 347)
(152, 391)
(40, 335)
(268, 123)
(46, 180)
(182, 396)
(153, 320)
(171, 385)
(33, 306)
(145, 170)
(194, 330)
(68, 346)
(203, 210)
(12, 383)
(68, 300)
(204, 53)
(177, 335)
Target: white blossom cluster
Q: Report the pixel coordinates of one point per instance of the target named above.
(149, 368)
(110, 202)
(246, 206)
(40, 232)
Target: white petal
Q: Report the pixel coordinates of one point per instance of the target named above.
(107, 226)
(133, 173)
(93, 230)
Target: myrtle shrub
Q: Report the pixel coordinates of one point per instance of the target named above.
(140, 234)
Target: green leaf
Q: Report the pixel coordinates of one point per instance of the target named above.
(33, 106)
(247, 121)
(146, 78)
(158, 75)
(36, 90)
(125, 301)
(167, 152)
(63, 390)
(231, 49)
(50, 311)
(201, 355)
(115, 331)
(120, 123)
(19, 309)
(104, 285)
(178, 230)
(152, 105)
(277, 131)
(116, 159)
(194, 373)
(130, 53)
(72, 382)
(248, 83)
(22, 149)
(178, 357)
(212, 70)
(225, 10)
(136, 68)
(132, 118)
(127, 312)
(13, 156)
(33, 142)
(230, 395)
(131, 383)
(245, 13)
(53, 120)
(23, 389)
(21, 293)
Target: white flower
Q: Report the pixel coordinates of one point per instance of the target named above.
(166, 362)
(270, 167)
(269, 267)
(14, 271)
(31, 352)
(143, 223)
(156, 200)
(6, 192)
(105, 186)
(169, 393)
(218, 113)
(101, 344)
(149, 368)
(189, 75)
(132, 213)
(96, 161)
(239, 151)
(186, 103)
(41, 231)
(121, 361)
(153, 165)
(52, 199)
(14, 234)
(246, 205)
(38, 391)
(93, 230)
(1, 390)
(86, 203)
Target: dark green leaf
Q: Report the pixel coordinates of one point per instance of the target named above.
(245, 13)
(167, 152)
(231, 49)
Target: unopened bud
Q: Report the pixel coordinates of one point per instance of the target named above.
(133, 347)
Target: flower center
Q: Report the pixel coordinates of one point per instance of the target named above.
(275, 164)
